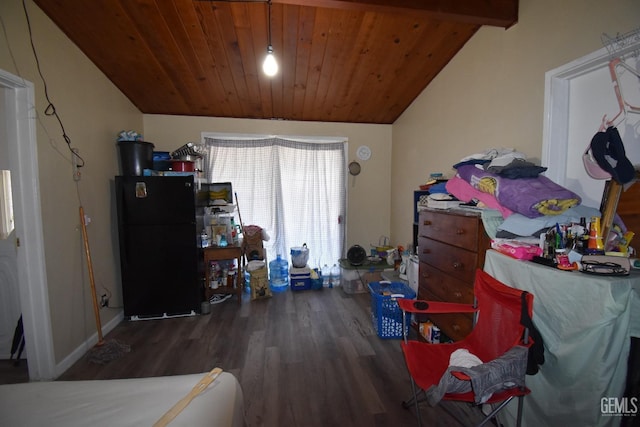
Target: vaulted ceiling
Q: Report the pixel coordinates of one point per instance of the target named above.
(357, 61)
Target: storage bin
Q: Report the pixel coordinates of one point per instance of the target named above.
(385, 312)
(355, 281)
(300, 256)
(220, 191)
(135, 157)
(161, 161)
(300, 278)
(316, 279)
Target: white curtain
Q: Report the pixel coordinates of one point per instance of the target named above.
(294, 189)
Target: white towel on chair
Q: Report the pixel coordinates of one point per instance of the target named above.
(462, 357)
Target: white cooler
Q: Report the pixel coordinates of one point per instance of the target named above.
(413, 270)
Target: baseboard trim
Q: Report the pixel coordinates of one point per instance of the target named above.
(83, 348)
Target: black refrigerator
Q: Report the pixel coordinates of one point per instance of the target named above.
(158, 245)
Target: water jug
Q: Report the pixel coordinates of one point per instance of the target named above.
(326, 275)
(335, 276)
(278, 274)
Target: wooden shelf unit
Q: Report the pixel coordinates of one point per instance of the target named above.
(217, 253)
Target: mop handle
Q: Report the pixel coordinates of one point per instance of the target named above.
(182, 403)
(94, 297)
(239, 216)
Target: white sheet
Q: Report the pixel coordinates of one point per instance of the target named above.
(585, 322)
(126, 402)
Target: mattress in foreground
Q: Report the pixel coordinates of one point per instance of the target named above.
(121, 402)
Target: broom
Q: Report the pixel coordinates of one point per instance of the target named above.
(103, 351)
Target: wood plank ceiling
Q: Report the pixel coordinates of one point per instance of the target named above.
(357, 61)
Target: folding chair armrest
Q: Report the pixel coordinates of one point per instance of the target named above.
(432, 307)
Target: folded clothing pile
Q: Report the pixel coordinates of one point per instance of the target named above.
(505, 372)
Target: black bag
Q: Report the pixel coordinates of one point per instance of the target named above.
(536, 351)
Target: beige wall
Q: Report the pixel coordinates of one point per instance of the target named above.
(93, 111)
(369, 213)
(492, 93)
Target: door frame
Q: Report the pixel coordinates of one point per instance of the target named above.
(569, 125)
(32, 278)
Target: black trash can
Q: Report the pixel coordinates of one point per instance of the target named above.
(135, 157)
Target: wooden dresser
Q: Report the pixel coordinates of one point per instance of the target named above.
(451, 245)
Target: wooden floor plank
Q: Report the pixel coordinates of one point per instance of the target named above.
(306, 358)
(362, 383)
(252, 378)
(271, 387)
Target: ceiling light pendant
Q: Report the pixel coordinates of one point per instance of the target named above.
(270, 65)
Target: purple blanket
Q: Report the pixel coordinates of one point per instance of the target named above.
(531, 197)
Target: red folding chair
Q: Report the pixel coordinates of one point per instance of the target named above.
(497, 330)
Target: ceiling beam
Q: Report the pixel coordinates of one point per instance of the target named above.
(498, 13)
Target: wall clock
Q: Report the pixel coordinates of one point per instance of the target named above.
(363, 152)
(354, 168)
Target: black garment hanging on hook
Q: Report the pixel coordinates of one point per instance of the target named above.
(608, 150)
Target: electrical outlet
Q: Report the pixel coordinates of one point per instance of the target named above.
(104, 300)
(74, 160)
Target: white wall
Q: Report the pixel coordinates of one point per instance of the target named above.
(492, 93)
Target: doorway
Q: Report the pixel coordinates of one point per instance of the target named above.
(26, 242)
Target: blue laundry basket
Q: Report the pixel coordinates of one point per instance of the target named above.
(385, 312)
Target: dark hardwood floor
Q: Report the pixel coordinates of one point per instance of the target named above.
(12, 373)
(308, 358)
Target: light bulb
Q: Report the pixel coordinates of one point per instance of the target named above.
(270, 65)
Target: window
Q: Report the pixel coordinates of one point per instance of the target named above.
(6, 205)
(295, 189)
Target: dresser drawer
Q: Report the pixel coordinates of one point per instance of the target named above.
(456, 229)
(459, 263)
(445, 287)
(454, 325)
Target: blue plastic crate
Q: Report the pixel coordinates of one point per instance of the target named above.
(385, 312)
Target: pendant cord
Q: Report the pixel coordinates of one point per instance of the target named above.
(269, 24)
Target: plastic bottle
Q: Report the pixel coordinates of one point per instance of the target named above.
(278, 274)
(335, 276)
(247, 280)
(204, 239)
(284, 272)
(214, 272)
(326, 276)
(595, 236)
